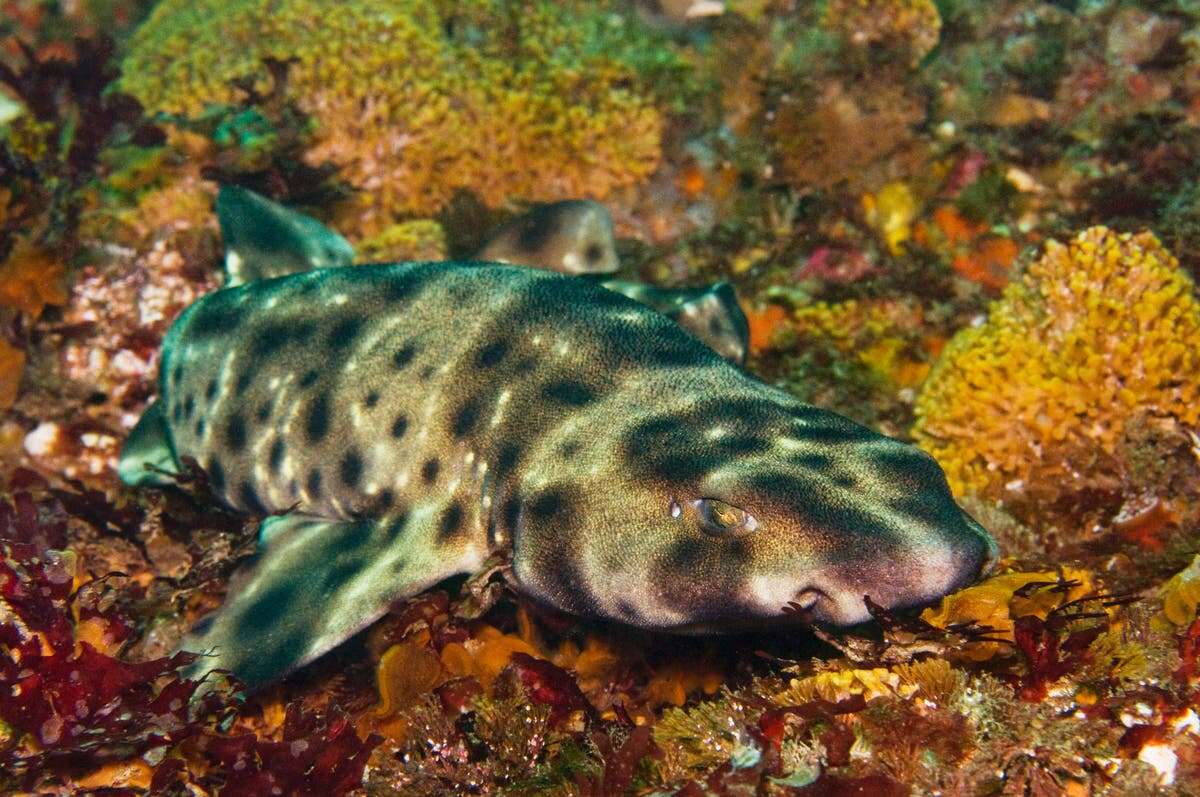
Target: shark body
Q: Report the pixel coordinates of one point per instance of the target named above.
(264, 239)
(411, 419)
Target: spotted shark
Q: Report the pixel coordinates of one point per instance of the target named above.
(266, 239)
(398, 424)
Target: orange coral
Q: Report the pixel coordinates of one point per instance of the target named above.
(1096, 331)
(763, 325)
(31, 279)
(12, 364)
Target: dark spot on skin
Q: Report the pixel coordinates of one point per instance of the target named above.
(491, 354)
(384, 500)
(250, 501)
(344, 332)
(551, 504)
(200, 428)
(448, 526)
(177, 413)
(371, 400)
(316, 424)
(399, 426)
(684, 555)
(465, 418)
(510, 512)
(429, 470)
(569, 392)
(313, 485)
(275, 458)
(264, 412)
(189, 406)
(216, 476)
(396, 527)
(568, 449)
(818, 462)
(525, 365)
(243, 382)
(235, 433)
(592, 253)
(507, 458)
(404, 356)
(340, 573)
(272, 337)
(427, 372)
(309, 379)
(266, 610)
(210, 392)
(401, 287)
(177, 374)
(833, 433)
(214, 316)
(350, 469)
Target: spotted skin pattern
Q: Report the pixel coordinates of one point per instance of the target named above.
(415, 418)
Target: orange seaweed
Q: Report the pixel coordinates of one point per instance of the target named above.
(763, 324)
(12, 364)
(31, 279)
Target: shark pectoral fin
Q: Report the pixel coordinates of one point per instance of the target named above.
(314, 584)
(147, 458)
(264, 239)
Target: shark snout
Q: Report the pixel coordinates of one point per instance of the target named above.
(898, 579)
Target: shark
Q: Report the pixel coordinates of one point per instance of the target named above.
(266, 239)
(398, 424)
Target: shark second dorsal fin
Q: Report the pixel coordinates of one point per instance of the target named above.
(264, 239)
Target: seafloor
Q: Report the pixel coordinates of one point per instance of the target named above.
(970, 225)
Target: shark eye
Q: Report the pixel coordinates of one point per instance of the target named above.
(718, 517)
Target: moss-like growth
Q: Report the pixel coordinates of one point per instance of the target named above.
(414, 100)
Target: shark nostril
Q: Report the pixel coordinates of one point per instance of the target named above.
(807, 598)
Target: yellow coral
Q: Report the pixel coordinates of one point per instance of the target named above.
(912, 24)
(874, 331)
(1181, 595)
(995, 603)
(891, 211)
(1096, 330)
(415, 100)
(835, 686)
(423, 239)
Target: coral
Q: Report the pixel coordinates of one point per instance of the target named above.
(539, 101)
(423, 239)
(851, 134)
(12, 363)
(1094, 332)
(30, 279)
(912, 25)
(1181, 595)
(995, 604)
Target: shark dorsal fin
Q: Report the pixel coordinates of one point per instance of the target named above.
(264, 239)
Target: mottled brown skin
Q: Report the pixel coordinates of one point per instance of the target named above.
(419, 416)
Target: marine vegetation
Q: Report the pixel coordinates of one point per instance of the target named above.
(533, 101)
(948, 250)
